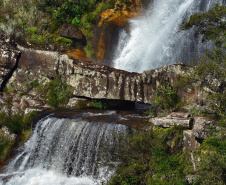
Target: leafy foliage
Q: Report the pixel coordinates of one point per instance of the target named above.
(64, 41)
(212, 165)
(17, 123)
(58, 93)
(152, 157)
(165, 98)
(5, 146)
(211, 24)
(70, 11)
(210, 69)
(99, 104)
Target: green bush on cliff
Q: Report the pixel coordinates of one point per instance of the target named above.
(17, 123)
(5, 147)
(165, 99)
(99, 104)
(58, 93)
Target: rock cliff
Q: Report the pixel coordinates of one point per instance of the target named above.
(88, 79)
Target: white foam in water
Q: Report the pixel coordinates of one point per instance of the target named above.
(39, 176)
(155, 38)
(66, 152)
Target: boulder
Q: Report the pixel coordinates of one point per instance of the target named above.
(173, 119)
(73, 102)
(190, 143)
(202, 128)
(170, 122)
(72, 32)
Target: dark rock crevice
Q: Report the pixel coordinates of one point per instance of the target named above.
(10, 74)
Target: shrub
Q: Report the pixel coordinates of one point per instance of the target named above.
(58, 93)
(212, 165)
(210, 69)
(151, 157)
(63, 41)
(165, 98)
(5, 146)
(99, 104)
(17, 123)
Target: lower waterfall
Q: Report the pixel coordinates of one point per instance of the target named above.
(63, 151)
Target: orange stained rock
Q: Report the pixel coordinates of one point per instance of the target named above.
(101, 48)
(120, 15)
(77, 54)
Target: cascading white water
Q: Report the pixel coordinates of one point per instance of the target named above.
(66, 152)
(155, 38)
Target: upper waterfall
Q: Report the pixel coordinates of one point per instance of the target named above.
(155, 38)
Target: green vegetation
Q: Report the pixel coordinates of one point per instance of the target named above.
(38, 21)
(212, 164)
(58, 93)
(71, 11)
(153, 157)
(5, 145)
(17, 124)
(156, 157)
(165, 99)
(210, 69)
(99, 104)
(62, 41)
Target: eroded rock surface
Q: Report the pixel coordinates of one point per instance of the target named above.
(8, 60)
(202, 128)
(88, 79)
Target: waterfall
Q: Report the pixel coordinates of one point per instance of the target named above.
(155, 38)
(65, 151)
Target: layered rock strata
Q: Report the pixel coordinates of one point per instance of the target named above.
(92, 80)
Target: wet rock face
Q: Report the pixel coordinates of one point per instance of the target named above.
(9, 56)
(112, 21)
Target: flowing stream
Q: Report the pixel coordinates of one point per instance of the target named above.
(67, 151)
(155, 38)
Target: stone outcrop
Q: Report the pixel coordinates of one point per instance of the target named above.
(202, 128)
(174, 119)
(88, 79)
(190, 143)
(73, 33)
